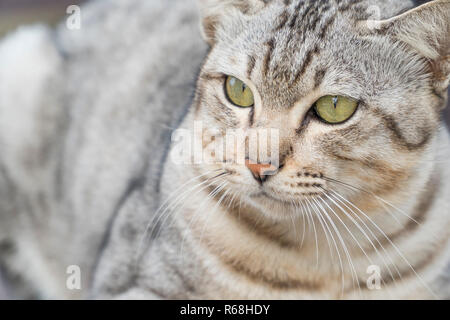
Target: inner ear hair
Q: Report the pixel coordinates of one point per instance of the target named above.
(427, 30)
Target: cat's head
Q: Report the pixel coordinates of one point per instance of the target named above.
(354, 97)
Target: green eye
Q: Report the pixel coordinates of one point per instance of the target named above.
(335, 109)
(238, 92)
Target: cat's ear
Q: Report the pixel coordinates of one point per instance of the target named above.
(213, 14)
(427, 30)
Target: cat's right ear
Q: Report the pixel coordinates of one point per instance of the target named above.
(426, 29)
(216, 13)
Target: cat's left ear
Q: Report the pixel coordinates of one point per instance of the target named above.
(216, 13)
(427, 30)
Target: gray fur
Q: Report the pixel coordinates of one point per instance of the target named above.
(98, 129)
(85, 124)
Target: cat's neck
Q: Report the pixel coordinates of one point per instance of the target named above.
(385, 231)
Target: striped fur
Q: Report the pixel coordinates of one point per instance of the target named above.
(90, 188)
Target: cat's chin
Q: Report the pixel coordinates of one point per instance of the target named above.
(285, 200)
(266, 195)
(277, 207)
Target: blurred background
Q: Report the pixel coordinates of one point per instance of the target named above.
(16, 12)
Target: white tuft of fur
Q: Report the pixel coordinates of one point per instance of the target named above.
(28, 59)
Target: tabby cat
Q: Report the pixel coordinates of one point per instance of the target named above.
(355, 206)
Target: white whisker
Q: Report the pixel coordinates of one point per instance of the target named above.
(395, 248)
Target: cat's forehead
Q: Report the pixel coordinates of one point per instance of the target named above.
(281, 42)
(294, 30)
(290, 46)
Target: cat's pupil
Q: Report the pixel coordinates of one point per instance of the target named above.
(335, 101)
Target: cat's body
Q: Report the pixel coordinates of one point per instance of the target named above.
(85, 135)
(74, 227)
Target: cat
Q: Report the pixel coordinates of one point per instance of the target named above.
(355, 204)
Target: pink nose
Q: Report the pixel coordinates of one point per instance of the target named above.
(260, 170)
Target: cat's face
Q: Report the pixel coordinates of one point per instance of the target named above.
(350, 103)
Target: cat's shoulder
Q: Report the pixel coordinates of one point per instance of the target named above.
(28, 58)
(29, 63)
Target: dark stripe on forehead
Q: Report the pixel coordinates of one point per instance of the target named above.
(326, 26)
(318, 77)
(312, 23)
(308, 59)
(251, 66)
(311, 15)
(348, 4)
(295, 17)
(397, 135)
(284, 17)
(268, 57)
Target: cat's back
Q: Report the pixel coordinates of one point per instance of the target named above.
(85, 115)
